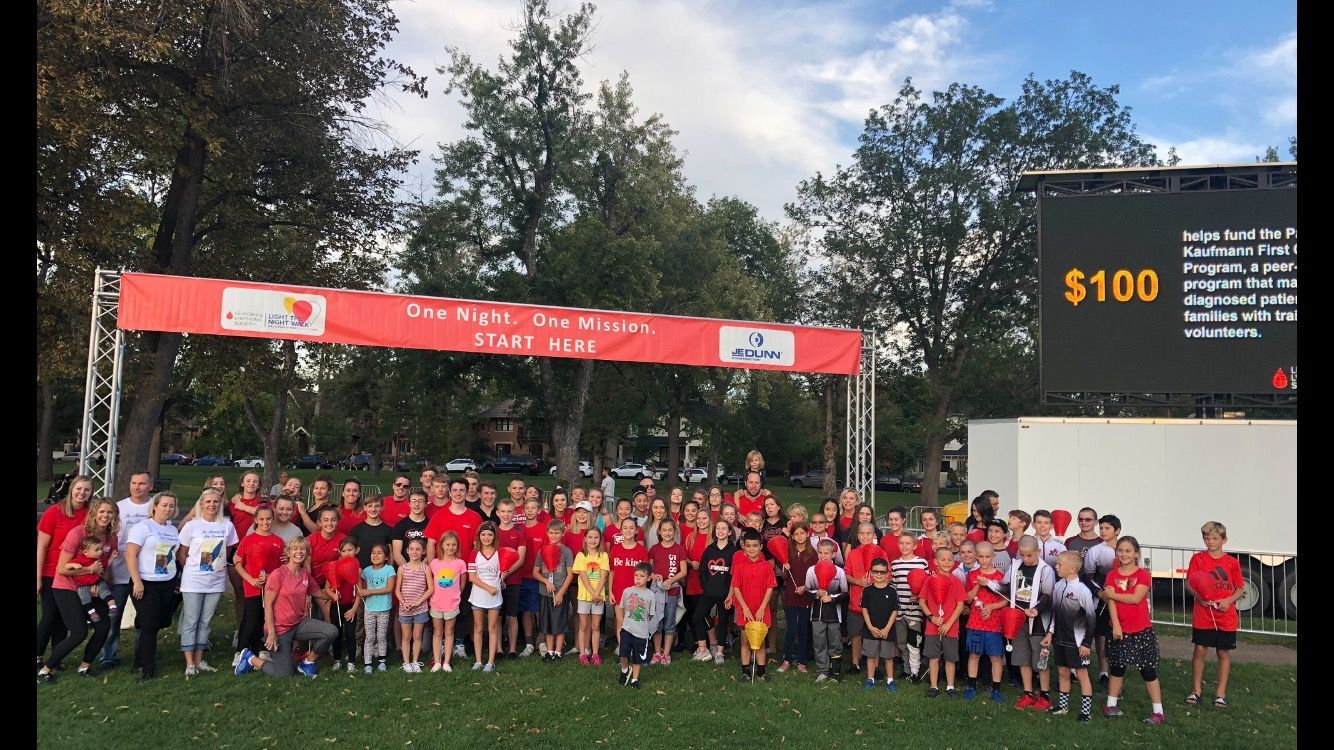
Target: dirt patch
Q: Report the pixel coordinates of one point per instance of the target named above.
(1179, 648)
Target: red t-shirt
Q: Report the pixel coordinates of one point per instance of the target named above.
(243, 520)
(844, 522)
(753, 579)
(392, 511)
(889, 544)
(745, 504)
(859, 565)
(289, 608)
(574, 541)
(72, 545)
(1133, 617)
(944, 606)
(925, 549)
(695, 551)
(348, 519)
(464, 524)
(533, 538)
(612, 538)
(322, 552)
(431, 508)
(667, 562)
(976, 535)
(57, 525)
(985, 596)
(514, 539)
(1225, 573)
(259, 552)
(623, 563)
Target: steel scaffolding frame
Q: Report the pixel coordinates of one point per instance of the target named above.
(102, 388)
(859, 474)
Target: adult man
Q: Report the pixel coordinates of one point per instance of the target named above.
(485, 505)
(608, 486)
(474, 481)
(516, 488)
(427, 477)
(133, 509)
(395, 506)
(438, 499)
(994, 498)
(277, 489)
(751, 499)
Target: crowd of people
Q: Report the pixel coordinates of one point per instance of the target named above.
(447, 570)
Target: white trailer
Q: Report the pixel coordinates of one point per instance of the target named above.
(1163, 478)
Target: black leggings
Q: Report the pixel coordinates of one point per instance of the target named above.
(688, 620)
(250, 632)
(700, 621)
(73, 612)
(148, 616)
(347, 633)
(51, 629)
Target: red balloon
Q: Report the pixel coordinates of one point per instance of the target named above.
(1204, 585)
(978, 534)
(1060, 520)
(824, 573)
(331, 576)
(937, 588)
(915, 580)
(1012, 621)
(778, 547)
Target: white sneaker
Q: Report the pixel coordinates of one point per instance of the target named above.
(701, 656)
(446, 667)
(572, 651)
(476, 666)
(352, 668)
(406, 667)
(265, 655)
(527, 651)
(338, 665)
(203, 666)
(368, 669)
(236, 659)
(542, 648)
(191, 671)
(459, 651)
(435, 667)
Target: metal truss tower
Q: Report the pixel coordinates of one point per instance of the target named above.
(860, 421)
(102, 390)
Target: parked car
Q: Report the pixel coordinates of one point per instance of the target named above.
(251, 462)
(889, 482)
(912, 485)
(513, 464)
(212, 461)
(313, 462)
(635, 471)
(461, 464)
(585, 469)
(358, 462)
(173, 459)
(731, 478)
(697, 475)
(812, 478)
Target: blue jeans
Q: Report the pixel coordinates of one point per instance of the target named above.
(797, 635)
(668, 624)
(121, 593)
(196, 616)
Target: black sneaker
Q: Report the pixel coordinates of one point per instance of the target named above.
(1082, 717)
(634, 684)
(932, 692)
(46, 677)
(1103, 680)
(916, 679)
(745, 676)
(951, 693)
(764, 676)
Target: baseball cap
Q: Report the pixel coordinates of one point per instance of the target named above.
(583, 505)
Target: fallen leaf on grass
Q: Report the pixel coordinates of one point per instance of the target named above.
(330, 739)
(493, 727)
(217, 705)
(664, 692)
(534, 730)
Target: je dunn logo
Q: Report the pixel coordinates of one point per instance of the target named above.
(268, 311)
(752, 346)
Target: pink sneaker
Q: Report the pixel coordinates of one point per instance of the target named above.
(657, 659)
(597, 660)
(666, 660)
(583, 659)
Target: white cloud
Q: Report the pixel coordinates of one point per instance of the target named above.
(1224, 149)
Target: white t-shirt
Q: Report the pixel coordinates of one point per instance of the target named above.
(131, 513)
(287, 533)
(205, 569)
(487, 569)
(157, 549)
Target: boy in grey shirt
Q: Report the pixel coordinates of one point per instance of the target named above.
(640, 613)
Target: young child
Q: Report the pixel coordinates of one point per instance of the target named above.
(753, 583)
(1099, 561)
(1070, 634)
(880, 610)
(347, 572)
(984, 626)
(1030, 583)
(91, 584)
(827, 613)
(510, 536)
(1049, 546)
(669, 569)
(553, 615)
(908, 626)
(1018, 522)
(958, 535)
(858, 573)
(377, 588)
(1214, 619)
(966, 562)
(796, 599)
(487, 579)
(534, 529)
(413, 587)
(1133, 644)
(638, 618)
(624, 556)
(998, 537)
(715, 578)
(942, 625)
(449, 574)
(258, 553)
(593, 569)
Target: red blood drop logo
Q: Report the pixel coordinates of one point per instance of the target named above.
(302, 310)
(1280, 379)
(229, 316)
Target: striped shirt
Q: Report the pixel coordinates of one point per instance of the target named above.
(412, 584)
(898, 571)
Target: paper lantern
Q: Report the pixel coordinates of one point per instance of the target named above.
(1060, 521)
(915, 580)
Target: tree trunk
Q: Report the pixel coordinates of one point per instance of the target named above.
(567, 420)
(935, 450)
(172, 248)
(830, 466)
(155, 449)
(673, 445)
(48, 396)
(713, 458)
(272, 438)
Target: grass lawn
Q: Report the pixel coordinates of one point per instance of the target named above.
(688, 705)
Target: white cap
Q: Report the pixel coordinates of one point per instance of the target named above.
(583, 505)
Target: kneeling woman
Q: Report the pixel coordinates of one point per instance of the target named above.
(287, 594)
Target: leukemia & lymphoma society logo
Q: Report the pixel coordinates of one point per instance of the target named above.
(756, 346)
(272, 311)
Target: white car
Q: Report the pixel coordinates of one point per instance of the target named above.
(253, 462)
(461, 464)
(585, 470)
(634, 471)
(697, 475)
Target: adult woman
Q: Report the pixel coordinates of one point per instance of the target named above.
(287, 594)
(697, 538)
(774, 526)
(847, 507)
(560, 506)
(689, 512)
(830, 510)
(214, 482)
(55, 525)
(320, 491)
(864, 513)
(284, 508)
(657, 511)
(203, 557)
(150, 554)
(674, 501)
(715, 501)
(243, 506)
(102, 520)
(982, 512)
(350, 512)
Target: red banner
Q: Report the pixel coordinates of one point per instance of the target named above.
(182, 304)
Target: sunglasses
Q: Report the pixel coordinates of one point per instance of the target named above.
(880, 572)
(400, 484)
(1087, 520)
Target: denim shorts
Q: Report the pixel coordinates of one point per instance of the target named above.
(421, 618)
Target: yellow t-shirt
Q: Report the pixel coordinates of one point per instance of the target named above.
(597, 567)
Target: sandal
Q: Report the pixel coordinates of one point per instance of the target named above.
(1220, 702)
(1193, 699)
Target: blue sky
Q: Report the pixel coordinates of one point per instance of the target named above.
(764, 94)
